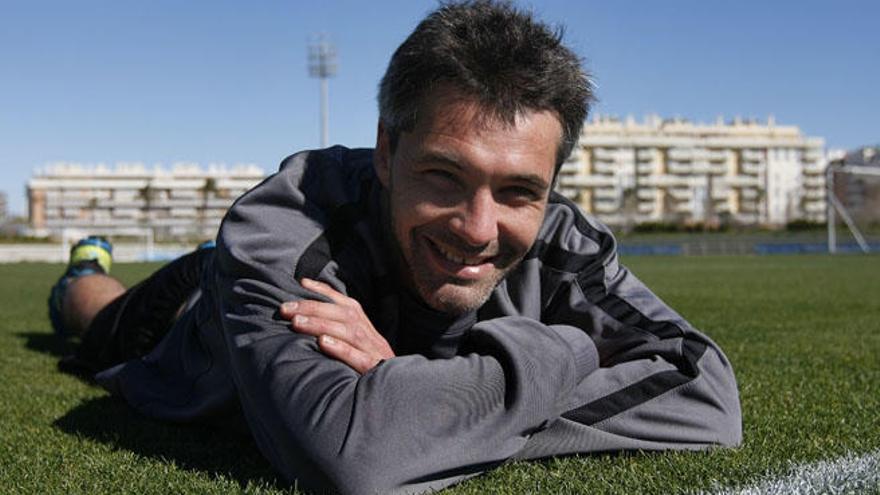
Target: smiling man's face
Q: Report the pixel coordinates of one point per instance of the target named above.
(467, 195)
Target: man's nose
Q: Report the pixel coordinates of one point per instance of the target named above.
(477, 222)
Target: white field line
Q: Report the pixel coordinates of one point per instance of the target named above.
(847, 474)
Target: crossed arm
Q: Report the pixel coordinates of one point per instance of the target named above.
(324, 414)
(342, 328)
(520, 389)
(410, 425)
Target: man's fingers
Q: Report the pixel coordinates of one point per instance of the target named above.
(343, 330)
(315, 326)
(342, 351)
(367, 342)
(319, 309)
(323, 289)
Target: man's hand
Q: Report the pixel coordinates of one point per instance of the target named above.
(343, 330)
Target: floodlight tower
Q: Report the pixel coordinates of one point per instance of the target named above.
(322, 64)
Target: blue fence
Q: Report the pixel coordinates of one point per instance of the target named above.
(810, 248)
(650, 249)
(738, 247)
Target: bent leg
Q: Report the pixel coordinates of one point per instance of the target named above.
(85, 297)
(134, 322)
(91, 255)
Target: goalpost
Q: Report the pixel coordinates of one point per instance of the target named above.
(836, 206)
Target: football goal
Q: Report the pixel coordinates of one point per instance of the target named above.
(853, 195)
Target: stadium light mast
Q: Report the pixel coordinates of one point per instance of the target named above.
(322, 64)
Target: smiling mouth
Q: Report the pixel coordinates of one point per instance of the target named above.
(459, 259)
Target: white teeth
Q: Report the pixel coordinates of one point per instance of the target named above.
(457, 259)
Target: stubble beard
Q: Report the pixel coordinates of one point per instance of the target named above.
(445, 293)
(439, 291)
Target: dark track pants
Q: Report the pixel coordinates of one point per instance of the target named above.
(132, 324)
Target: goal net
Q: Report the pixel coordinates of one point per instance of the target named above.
(853, 193)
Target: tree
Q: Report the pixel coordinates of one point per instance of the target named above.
(208, 191)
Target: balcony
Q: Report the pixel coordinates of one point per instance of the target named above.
(126, 213)
(88, 223)
(749, 206)
(719, 194)
(178, 184)
(184, 213)
(570, 168)
(701, 167)
(680, 193)
(812, 155)
(606, 193)
(177, 203)
(604, 167)
(605, 206)
(742, 181)
(646, 208)
(749, 194)
(588, 181)
(718, 168)
(604, 154)
(814, 169)
(647, 194)
(68, 203)
(815, 207)
(679, 168)
(814, 194)
(753, 156)
(746, 218)
(751, 168)
(568, 192)
(184, 193)
(664, 180)
(646, 155)
(717, 156)
(174, 221)
(646, 168)
(681, 154)
(684, 207)
(814, 181)
(121, 203)
(223, 203)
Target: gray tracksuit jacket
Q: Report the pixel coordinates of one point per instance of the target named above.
(571, 354)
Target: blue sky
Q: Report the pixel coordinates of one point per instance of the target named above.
(226, 81)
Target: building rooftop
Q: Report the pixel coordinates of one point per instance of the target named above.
(866, 156)
(140, 169)
(652, 124)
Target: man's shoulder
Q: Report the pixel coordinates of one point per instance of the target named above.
(570, 239)
(324, 178)
(297, 210)
(328, 159)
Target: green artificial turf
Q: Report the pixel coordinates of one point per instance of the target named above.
(801, 331)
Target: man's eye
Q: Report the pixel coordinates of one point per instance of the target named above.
(441, 176)
(521, 193)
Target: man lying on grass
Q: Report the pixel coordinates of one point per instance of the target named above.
(398, 319)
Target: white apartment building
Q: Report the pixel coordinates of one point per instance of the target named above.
(627, 172)
(183, 201)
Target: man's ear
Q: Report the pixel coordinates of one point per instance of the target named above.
(382, 156)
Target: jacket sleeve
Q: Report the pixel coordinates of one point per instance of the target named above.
(410, 424)
(661, 383)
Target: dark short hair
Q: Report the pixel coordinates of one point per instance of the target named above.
(501, 57)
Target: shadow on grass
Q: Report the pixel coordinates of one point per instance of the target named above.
(47, 343)
(231, 454)
(62, 349)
